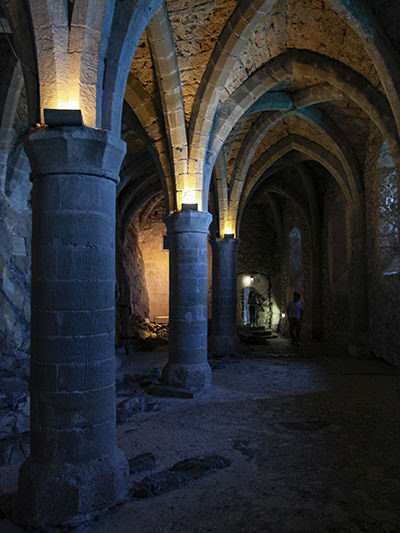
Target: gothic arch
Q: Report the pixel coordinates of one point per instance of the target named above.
(340, 147)
(286, 145)
(232, 41)
(311, 64)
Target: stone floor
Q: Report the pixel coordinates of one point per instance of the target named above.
(314, 440)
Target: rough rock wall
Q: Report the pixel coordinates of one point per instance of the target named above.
(156, 264)
(135, 272)
(383, 290)
(15, 251)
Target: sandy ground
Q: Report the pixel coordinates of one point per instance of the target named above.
(314, 440)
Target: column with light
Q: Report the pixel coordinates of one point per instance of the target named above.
(75, 469)
(187, 365)
(224, 339)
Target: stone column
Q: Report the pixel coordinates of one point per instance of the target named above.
(224, 338)
(75, 468)
(187, 366)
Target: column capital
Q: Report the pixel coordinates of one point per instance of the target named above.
(74, 150)
(188, 221)
(231, 245)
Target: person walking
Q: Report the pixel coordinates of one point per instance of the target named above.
(295, 312)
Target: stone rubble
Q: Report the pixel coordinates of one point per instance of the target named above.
(178, 475)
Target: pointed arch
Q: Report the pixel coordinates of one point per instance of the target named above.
(148, 115)
(232, 41)
(309, 64)
(309, 148)
(315, 117)
(128, 24)
(168, 79)
(230, 44)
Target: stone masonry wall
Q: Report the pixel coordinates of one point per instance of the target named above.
(384, 290)
(135, 272)
(146, 266)
(260, 256)
(335, 300)
(15, 252)
(156, 264)
(294, 219)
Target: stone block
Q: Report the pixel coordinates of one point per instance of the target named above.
(180, 474)
(141, 463)
(156, 389)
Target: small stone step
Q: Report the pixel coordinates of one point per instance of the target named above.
(180, 474)
(141, 463)
(156, 389)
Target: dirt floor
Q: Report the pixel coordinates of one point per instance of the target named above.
(313, 439)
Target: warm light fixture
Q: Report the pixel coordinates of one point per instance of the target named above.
(68, 104)
(189, 200)
(246, 281)
(283, 315)
(62, 117)
(229, 233)
(251, 278)
(188, 207)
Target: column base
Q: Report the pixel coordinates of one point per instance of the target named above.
(223, 345)
(193, 377)
(69, 494)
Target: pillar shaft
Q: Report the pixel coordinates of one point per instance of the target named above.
(187, 236)
(224, 338)
(75, 467)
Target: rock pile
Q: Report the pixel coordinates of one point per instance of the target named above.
(147, 335)
(132, 399)
(14, 420)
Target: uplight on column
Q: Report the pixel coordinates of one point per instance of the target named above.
(229, 233)
(62, 117)
(189, 200)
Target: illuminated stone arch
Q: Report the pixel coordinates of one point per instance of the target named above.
(310, 64)
(310, 149)
(321, 122)
(149, 128)
(78, 55)
(233, 40)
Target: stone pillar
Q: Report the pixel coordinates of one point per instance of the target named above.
(224, 338)
(75, 468)
(187, 366)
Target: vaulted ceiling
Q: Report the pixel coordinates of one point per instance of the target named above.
(272, 77)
